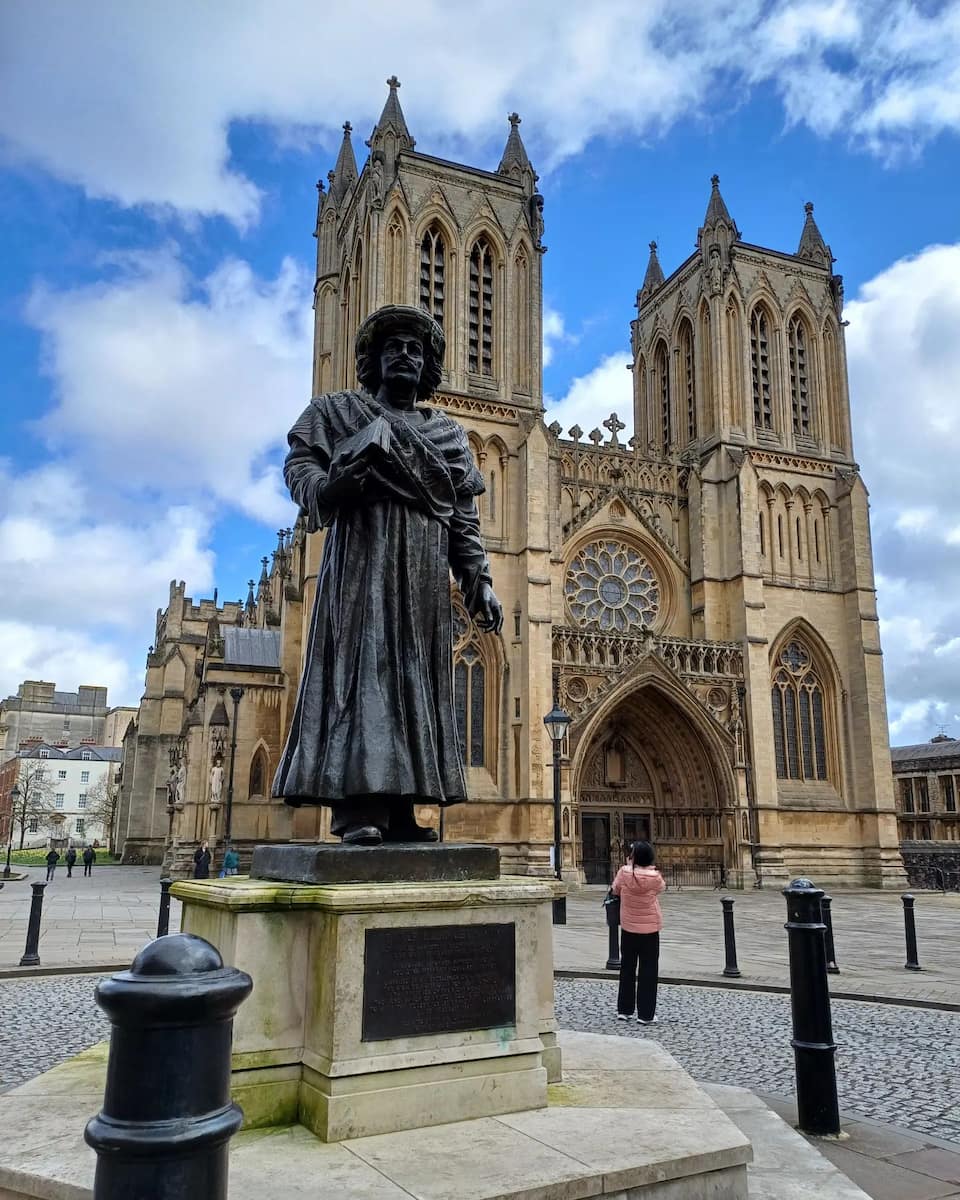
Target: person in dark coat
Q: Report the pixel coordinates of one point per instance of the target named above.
(70, 858)
(201, 862)
(89, 858)
(395, 485)
(52, 859)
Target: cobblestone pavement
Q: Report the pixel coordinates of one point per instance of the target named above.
(896, 1065)
(45, 1020)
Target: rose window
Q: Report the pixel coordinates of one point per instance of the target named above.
(611, 585)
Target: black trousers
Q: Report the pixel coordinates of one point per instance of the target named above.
(639, 961)
(88, 868)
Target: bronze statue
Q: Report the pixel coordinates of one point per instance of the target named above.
(374, 731)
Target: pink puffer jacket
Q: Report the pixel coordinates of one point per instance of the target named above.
(638, 889)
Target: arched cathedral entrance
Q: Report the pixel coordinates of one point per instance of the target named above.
(649, 767)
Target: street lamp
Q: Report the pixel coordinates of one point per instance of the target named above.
(236, 695)
(14, 801)
(557, 722)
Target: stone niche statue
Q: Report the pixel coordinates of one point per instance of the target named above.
(216, 781)
(374, 731)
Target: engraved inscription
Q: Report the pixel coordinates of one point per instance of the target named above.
(438, 979)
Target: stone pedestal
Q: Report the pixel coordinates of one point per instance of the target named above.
(388, 1006)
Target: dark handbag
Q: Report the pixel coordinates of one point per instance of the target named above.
(611, 904)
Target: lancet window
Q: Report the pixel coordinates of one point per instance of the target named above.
(481, 308)
(689, 391)
(760, 366)
(394, 266)
(470, 680)
(799, 716)
(432, 272)
(799, 381)
(662, 373)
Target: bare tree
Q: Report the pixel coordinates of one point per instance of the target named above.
(103, 798)
(35, 799)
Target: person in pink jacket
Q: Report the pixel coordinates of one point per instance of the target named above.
(639, 884)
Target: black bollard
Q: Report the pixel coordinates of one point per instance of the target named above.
(909, 929)
(611, 908)
(163, 920)
(730, 968)
(167, 1118)
(813, 1044)
(31, 957)
(827, 918)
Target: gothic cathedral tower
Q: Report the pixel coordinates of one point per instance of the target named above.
(700, 599)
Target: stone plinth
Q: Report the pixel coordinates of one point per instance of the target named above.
(383, 1007)
(627, 1123)
(328, 862)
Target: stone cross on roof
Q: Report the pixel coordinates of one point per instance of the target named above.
(614, 424)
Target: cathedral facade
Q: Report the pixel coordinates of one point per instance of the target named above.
(699, 598)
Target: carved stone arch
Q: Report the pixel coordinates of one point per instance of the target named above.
(496, 472)
(521, 293)
(834, 390)
(822, 666)
(651, 673)
(485, 257)
(685, 376)
(641, 399)
(669, 578)
(442, 301)
(259, 779)
(737, 360)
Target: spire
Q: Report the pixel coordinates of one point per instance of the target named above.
(344, 174)
(251, 604)
(812, 246)
(515, 161)
(263, 587)
(717, 212)
(653, 277)
(392, 121)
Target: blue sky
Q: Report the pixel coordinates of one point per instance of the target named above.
(157, 171)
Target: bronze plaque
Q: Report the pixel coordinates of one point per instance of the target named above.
(438, 979)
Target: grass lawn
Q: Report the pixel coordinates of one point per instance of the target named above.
(38, 858)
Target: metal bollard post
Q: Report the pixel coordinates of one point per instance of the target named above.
(827, 918)
(163, 920)
(611, 910)
(813, 1044)
(164, 1129)
(909, 929)
(730, 968)
(31, 957)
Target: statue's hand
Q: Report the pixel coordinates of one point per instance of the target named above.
(488, 613)
(346, 483)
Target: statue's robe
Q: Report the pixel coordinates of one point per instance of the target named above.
(375, 712)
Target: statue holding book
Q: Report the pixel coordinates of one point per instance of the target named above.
(394, 484)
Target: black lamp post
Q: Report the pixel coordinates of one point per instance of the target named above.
(14, 801)
(557, 722)
(236, 695)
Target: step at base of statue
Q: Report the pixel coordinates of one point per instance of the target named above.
(402, 862)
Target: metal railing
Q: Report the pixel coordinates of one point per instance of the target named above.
(708, 875)
(926, 877)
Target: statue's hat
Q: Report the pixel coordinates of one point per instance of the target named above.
(391, 317)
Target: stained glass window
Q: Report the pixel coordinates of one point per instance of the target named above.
(799, 725)
(476, 714)
(612, 586)
(469, 679)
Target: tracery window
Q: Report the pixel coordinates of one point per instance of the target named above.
(799, 386)
(799, 716)
(611, 585)
(760, 366)
(394, 266)
(480, 358)
(432, 271)
(258, 774)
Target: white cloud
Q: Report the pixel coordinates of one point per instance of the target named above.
(134, 102)
(904, 362)
(591, 397)
(66, 658)
(188, 384)
(554, 333)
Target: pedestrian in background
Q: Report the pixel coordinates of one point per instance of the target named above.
(201, 862)
(70, 858)
(231, 862)
(639, 884)
(52, 859)
(89, 858)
